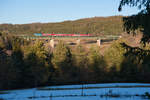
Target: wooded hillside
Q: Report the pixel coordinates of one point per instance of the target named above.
(96, 26)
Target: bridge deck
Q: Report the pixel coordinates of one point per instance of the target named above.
(49, 37)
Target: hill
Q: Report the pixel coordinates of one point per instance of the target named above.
(96, 26)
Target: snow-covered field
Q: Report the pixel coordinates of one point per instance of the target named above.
(111, 91)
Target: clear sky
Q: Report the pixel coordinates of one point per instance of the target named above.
(31, 11)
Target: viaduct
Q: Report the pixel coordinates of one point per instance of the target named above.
(72, 40)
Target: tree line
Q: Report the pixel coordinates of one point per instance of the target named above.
(25, 64)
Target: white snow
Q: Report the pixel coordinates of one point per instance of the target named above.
(110, 88)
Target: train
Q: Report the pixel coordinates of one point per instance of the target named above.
(62, 34)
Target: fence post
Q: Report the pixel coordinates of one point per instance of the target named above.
(82, 92)
(51, 96)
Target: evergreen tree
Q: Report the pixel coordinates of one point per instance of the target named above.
(3, 70)
(62, 61)
(115, 55)
(139, 21)
(97, 64)
(81, 63)
(37, 70)
(17, 63)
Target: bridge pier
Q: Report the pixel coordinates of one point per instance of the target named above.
(99, 42)
(52, 43)
(78, 42)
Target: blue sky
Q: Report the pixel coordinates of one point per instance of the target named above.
(31, 11)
